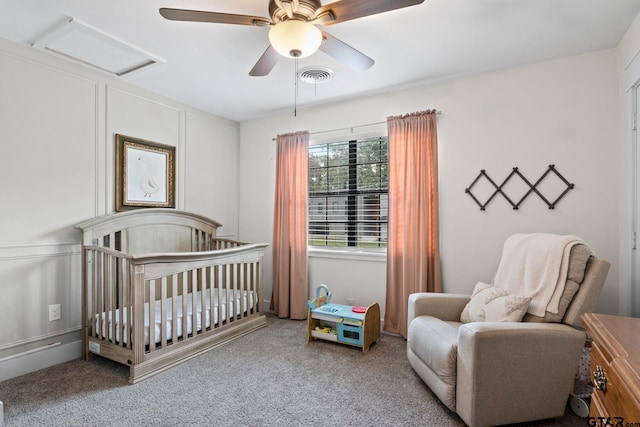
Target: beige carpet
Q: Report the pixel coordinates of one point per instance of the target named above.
(271, 377)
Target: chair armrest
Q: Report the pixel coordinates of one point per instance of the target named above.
(518, 340)
(446, 307)
(500, 362)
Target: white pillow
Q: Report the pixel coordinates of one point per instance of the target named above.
(491, 304)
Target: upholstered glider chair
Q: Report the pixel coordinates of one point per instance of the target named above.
(488, 360)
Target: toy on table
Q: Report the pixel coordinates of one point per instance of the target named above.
(320, 301)
(326, 329)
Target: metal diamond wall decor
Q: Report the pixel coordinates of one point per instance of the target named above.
(533, 188)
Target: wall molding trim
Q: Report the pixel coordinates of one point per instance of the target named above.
(34, 361)
(632, 72)
(15, 251)
(45, 337)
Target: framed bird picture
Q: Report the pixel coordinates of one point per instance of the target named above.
(145, 174)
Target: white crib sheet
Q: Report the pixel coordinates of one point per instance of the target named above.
(107, 326)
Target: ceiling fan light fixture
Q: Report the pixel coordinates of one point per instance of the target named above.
(295, 38)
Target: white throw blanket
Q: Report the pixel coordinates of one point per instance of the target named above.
(536, 265)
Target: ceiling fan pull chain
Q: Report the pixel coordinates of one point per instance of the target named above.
(295, 83)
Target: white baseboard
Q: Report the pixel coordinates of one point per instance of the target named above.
(266, 307)
(34, 361)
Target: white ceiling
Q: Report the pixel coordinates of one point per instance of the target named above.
(207, 65)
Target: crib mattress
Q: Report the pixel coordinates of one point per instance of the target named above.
(240, 298)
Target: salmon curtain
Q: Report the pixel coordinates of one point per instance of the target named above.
(413, 253)
(290, 279)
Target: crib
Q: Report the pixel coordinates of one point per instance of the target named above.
(160, 288)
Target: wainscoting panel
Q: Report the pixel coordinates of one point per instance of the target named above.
(35, 276)
(58, 122)
(48, 129)
(211, 170)
(138, 116)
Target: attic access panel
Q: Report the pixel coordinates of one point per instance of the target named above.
(75, 40)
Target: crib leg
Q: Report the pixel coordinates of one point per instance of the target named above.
(85, 347)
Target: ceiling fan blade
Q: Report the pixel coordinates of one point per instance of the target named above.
(344, 53)
(214, 17)
(265, 64)
(346, 10)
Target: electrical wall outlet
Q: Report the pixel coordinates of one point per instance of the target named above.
(350, 301)
(54, 312)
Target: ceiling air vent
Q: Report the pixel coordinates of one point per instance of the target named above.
(315, 75)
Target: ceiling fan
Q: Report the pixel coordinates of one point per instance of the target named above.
(293, 32)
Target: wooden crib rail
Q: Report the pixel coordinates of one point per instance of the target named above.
(132, 302)
(108, 285)
(222, 294)
(149, 230)
(160, 287)
(160, 264)
(220, 243)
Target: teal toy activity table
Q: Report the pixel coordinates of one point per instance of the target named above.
(345, 324)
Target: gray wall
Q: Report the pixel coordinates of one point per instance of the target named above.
(57, 127)
(562, 112)
(57, 131)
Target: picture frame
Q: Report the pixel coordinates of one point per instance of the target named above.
(145, 174)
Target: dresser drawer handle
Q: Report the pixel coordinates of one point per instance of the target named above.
(600, 379)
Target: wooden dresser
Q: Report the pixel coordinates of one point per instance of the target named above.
(615, 367)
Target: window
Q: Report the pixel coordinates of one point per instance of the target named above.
(348, 201)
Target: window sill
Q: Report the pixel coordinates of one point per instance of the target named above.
(356, 255)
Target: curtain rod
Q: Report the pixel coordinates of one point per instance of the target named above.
(351, 128)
